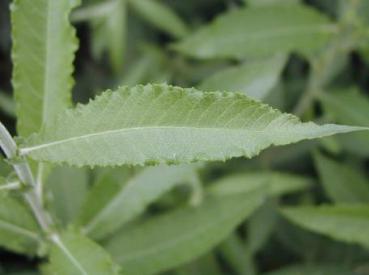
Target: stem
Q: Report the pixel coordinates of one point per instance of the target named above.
(25, 175)
(10, 186)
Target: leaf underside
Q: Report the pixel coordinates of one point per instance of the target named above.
(165, 124)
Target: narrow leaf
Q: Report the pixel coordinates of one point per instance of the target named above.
(317, 269)
(74, 254)
(260, 31)
(44, 43)
(254, 79)
(19, 231)
(182, 235)
(342, 182)
(160, 16)
(160, 123)
(348, 223)
(132, 198)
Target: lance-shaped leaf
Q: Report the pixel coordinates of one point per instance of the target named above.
(75, 254)
(126, 201)
(182, 235)
(43, 51)
(160, 123)
(349, 223)
(260, 31)
(19, 231)
(255, 79)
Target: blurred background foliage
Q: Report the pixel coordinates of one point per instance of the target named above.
(325, 79)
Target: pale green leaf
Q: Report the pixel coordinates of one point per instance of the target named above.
(7, 104)
(275, 183)
(318, 269)
(260, 31)
(343, 183)
(19, 231)
(160, 16)
(75, 254)
(254, 79)
(182, 235)
(270, 2)
(44, 43)
(130, 199)
(348, 223)
(160, 123)
(68, 188)
(350, 107)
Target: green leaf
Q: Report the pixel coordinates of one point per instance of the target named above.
(172, 239)
(275, 183)
(74, 254)
(129, 200)
(348, 223)
(19, 231)
(160, 123)
(7, 104)
(44, 43)
(256, 3)
(68, 188)
(353, 108)
(254, 79)
(342, 182)
(160, 16)
(260, 31)
(318, 269)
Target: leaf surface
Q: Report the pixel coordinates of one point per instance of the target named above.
(160, 123)
(317, 269)
(343, 183)
(254, 79)
(19, 231)
(74, 254)
(175, 238)
(260, 31)
(348, 223)
(44, 43)
(130, 199)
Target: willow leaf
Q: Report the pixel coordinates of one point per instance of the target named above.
(44, 43)
(161, 123)
(75, 254)
(260, 31)
(348, 223)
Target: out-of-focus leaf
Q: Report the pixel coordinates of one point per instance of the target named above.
(348, 223)
(132, 120)
(130, 199)
(261, 225)
(44, 43)
(204, 265)
(342, 182)
(160, 16)
(19, 231)
(260, 31)
(319, 269)
(68, 187)
(255, 79)
(353, 108)
(275, 183)
(270, 2)
(172, 239)
(7, 104)
(74, 254)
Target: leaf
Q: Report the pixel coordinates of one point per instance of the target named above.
(160, 16)
(19, 231)
(7, 105)
(74, 254)
(318, 269)
(160, 123)
(348, 223)
(275, 183)
(182, 235)
(350, 107)
(254, 79)
(130, 199)
(342, 182)
(68, 187)
(44, 43)
(260, 31)
(270, 2)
